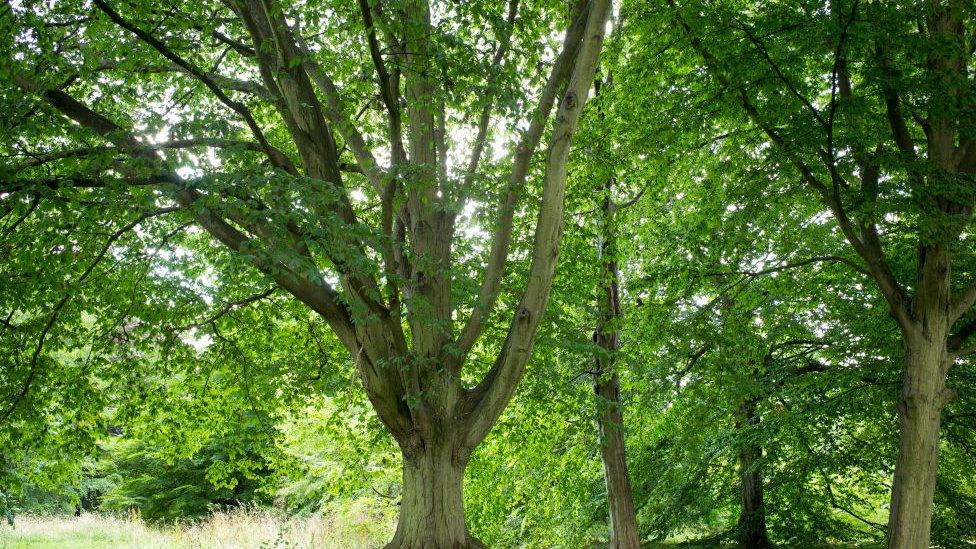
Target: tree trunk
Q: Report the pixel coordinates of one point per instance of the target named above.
(752, 514)
(623, 517)
(919, 414)
(606, 384)
(431, 503)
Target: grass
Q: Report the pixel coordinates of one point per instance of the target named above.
(357, 526)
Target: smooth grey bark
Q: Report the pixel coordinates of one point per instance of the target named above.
(923, 396)
(919, 416)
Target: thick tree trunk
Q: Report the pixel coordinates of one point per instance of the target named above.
(752, 514)
(919, 413)
(923, 395)
(623, 517)
(432, 504)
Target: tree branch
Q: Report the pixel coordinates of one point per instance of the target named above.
(961, 303)
(498, 255)
(871, 251)
(486, 401)
(235, 106)
(317, 294)
(174, 144)
(478, 147)
(52, 319)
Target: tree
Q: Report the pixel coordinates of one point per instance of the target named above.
(877, 122)
(365, 234)
(606, 333)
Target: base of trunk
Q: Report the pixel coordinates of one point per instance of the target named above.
(620, 498)
(431, 543)
(432, 504)
(919, 414)
(752, 513)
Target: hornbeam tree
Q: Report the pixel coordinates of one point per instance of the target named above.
(871, 107)
(336, 150)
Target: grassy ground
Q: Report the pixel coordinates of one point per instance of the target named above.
(235, 530)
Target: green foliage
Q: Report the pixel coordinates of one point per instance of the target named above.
(136, 477)
(749, 320)
(333, 452)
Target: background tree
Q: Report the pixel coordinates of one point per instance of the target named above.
(876, 122)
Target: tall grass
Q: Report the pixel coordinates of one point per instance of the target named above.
(361, 524)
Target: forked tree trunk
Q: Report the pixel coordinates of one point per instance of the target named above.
(752, 513)
(414, 385)
(623, 517)
(919, 413)
(432, 502)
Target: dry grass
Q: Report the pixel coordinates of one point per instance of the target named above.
(359, 525)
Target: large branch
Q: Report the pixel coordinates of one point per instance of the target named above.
(383, 183)
(382, 386)
(487, 400)
(896, 118)
(389, 84)
(505, 218)
(962, 303)
(869, 250)
(280, 62)
(390, 93)
(338, 117)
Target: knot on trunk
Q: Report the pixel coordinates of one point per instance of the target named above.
(570, 100)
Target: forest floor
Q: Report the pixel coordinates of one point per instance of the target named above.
(234, 530)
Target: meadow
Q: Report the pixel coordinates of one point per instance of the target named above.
(357, 526)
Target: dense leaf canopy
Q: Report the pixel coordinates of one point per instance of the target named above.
(264, 252)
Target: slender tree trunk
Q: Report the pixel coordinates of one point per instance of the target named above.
(752, 514)
(606, 385)
(432, 502)
(623, 517)
(919, 414)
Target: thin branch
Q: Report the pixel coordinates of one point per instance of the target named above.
(52, 319)
(479, 141)
(794, 265)
(228, 308)
(174, 144)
